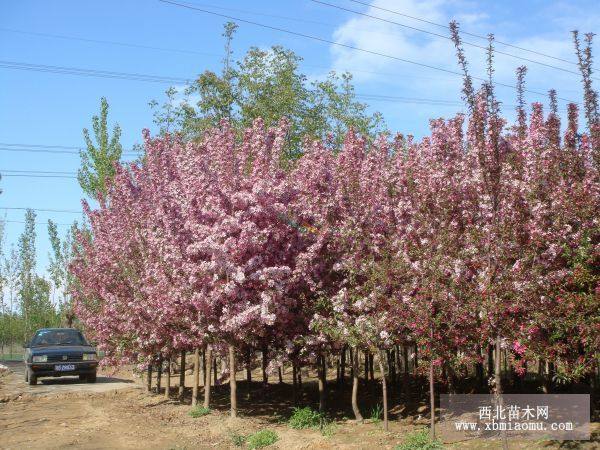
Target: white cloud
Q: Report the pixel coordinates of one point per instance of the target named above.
(404, 78)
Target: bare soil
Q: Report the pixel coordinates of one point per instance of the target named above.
(121, 415)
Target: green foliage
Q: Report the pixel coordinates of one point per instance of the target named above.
(238, 439)
(376, 412)
(36, 308)
(420, 440)
(262, 438)
(268, 83)
(98, 160)
(60, 258)
(305, 418)
(199, 411)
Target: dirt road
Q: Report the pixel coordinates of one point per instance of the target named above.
(117, 413)
(14, 384)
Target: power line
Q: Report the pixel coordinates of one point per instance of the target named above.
(92, 72)
(350, 47)
(464, 32)
(99, 41)
(70, 211)
(37, 176)
(49, 149)
(443, 36)
(47, 172)
(36, 223)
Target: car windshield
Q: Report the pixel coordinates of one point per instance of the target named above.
(58, 337)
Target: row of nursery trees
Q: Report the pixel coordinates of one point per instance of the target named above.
(481, 239)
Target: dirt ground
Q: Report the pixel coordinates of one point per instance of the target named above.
(118, 414)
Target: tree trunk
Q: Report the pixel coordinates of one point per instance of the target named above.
(264, 365)
(214, 366)
(196, 376)
(299, 376)
(208, 374)
(432, 399)
(416, 360)
(232, 382)
(322, 383)
(490, 362)
(149, 378)
(159, 370)
(280, 374)
(371, 366)
(366, 366)
(498, 384)
(342, 378)
(384, 391)
(294, 382)
(182, 375)
(355, 409)
(168, 379)
(249, 366)
(548, 375)
(405, 376)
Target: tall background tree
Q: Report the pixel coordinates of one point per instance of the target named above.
(98, 159)
(268, 84)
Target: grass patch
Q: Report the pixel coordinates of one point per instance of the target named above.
(262, 438)
(376, 412)
(420, 440)
(199, 411)
(305, 418)
(238, 439)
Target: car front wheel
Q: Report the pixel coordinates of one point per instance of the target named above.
(31, 378)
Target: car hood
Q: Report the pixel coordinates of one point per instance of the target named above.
(61, 349)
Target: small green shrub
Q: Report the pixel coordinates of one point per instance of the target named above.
(262, 439)
(420, 440)
(305, 418)
(199, 411)
(376, 412)
(238, 439)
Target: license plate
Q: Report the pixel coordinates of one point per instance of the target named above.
(64, 367)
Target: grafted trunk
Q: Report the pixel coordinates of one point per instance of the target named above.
(548, 376)
(196, 376)
(383, 391)
(405, 377)
(182, 375)
(249, 366)
(322, 383)
(490, 361)
(208, 375)
(168, 379)
(159, 375)
(432, 400)
(214, 366)
(232, 382)
(295, 382)
(498, 384)
(342, 378)
(149, 378)
(264, 365)
(357, 414)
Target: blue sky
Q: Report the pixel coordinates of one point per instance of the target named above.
(42, 108)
